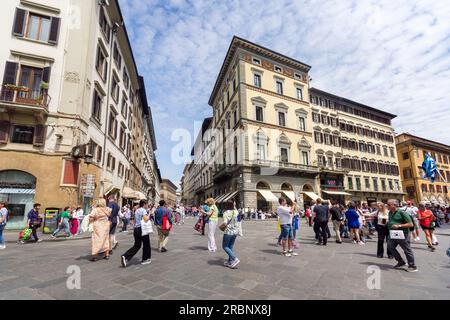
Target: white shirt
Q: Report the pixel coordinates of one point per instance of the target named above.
(78, 214)
(285, 215)
(412, 211)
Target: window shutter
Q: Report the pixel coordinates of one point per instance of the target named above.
(46, 74)
(10, 73)
(4, 131)
(54, 30)
(19, 22)
(101, 15)
(105, 73)
(40, 135)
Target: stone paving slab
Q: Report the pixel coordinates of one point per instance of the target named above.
(188, 271)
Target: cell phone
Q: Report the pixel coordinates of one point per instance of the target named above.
(383, 221)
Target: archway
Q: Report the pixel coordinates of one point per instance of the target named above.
(307, 201)
(261, 202)
(18, 189)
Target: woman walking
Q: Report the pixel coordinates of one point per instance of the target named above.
(382, 218)
(63, 224)
(139, 239)
(213, 219)
(99, 217)
(231, 229)
(353, 223)
(427, 222)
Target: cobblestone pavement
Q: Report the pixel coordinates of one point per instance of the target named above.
(189, 271)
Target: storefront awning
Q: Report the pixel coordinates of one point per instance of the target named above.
(140, 195)
(290, 195)
(109, 188)
(312, 195)
(129, 193)
(219, 199)
(268, 195)
(222, 199)
(340, 193)
(17, 191)
(230, 196)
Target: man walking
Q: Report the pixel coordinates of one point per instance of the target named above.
(286, 213)
(163, 234)
(399, 220)
(322, 216)
(412, 211)
(337, 218)
(3, 220)
(113, 219)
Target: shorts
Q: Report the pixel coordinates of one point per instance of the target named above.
(112, 229)
(427, 228)
(286, 232)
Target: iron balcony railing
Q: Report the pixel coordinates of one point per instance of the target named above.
(25, 96)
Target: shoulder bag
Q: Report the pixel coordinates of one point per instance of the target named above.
(223, 226)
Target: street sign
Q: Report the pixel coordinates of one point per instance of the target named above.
(87, 185)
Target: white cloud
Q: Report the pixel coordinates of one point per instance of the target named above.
(392, 55)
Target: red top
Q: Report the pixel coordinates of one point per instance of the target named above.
(425, 217)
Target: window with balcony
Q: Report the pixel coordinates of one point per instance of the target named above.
(30, 79)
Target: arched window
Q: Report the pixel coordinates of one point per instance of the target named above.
(286, 187)
(424, 187)
(262, 185)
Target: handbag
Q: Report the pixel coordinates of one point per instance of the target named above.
(146, 227)
(166, 226)
(223, 226)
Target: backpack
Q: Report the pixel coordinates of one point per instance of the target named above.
(166, 226)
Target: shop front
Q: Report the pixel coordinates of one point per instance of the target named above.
(17, 189)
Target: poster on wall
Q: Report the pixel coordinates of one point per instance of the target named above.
(87, 185)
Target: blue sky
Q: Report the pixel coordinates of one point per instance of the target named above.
(391, 55)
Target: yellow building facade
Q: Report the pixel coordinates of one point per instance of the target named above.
(411, 153)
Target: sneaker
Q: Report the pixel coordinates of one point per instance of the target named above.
(234, 263)
(399, 265)
(148, 261)
(52, 236)
(288, 254)
(2, 247)
(361, 243)
(337, 241)
(40, 240)
(354, 241)
(124, 261)
(226, 263)
(432, 248)
(412, 269)
(163, 249)
(417, 239)
(294, 254)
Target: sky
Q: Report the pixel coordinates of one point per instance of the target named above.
(391, 55)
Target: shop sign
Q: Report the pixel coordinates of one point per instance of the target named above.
(87, 185)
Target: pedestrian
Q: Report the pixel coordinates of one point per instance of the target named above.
(114, 218)
(63, 224)
(231, 228)
(308, 215)
(338, 220)
(353, 223)
(73, 221)
(362, 225)
(213, 219)
(381, 219)
(140, 238)
(126, 218)
(412, 211)
(427, 222)
(286, 213)
(183, 214)
(3, 221)
(321, 218)
(399, 220)
(80, 216)
(163, 222)
(101, 242)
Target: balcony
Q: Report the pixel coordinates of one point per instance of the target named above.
(16, 96)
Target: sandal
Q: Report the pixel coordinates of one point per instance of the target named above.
(94, 259)
(106, 257)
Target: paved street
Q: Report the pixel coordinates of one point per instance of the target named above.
(188, 271)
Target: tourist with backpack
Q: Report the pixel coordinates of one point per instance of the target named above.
(3, 221)
(163, 222)
(231, 228)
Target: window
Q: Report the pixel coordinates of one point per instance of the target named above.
(116, 56)
(38, 27)
(279, 87)
(362, 147)
(334, 122)
(101, 65)
(325, 119)
(112, 128)
(375, 184)
(336, 141)
(120, 170)
(302, 124)
(104, 25)
(257, 80)
(22, 134)
(282, 119)
(318, 137)
(358, 183)
(259, 114)
(278, 69)
(407, 174)
(298, 76)
(256, 61)
(126, 78)
(329, 162)
(130, 118)
(391, 152)
(284, 155)
(124, 108)
(260, 151)
(320, 160)
(405, 155)
(385, 151)
(431, 188)
(391, 185)
(378, 149)
(70, 174)
(299, 94)
(327, 139)
(123, 137)
(97, 106)
(316, 117)
(383, 184)
(305, 158)
(350, 183)
(115, 89)
(30, 78)
(367, 183)
(235, 116)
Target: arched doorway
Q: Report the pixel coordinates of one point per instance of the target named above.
(307, 201)
(18, 189)
(261, 202)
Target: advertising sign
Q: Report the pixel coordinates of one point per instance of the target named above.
(50, 220)
(87, 185)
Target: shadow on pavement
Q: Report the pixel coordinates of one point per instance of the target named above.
(277, 252)
(198, 248)
(216, 262)
(382, 266)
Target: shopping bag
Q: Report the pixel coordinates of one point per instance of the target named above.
(146, 227)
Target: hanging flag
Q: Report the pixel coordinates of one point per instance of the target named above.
(429, 166)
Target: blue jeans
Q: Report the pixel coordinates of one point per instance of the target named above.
(64, 224)
(2, 241)
(227, 245)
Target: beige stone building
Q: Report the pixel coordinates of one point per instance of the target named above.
(271, 136)
(74, 118)
(168, 192)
